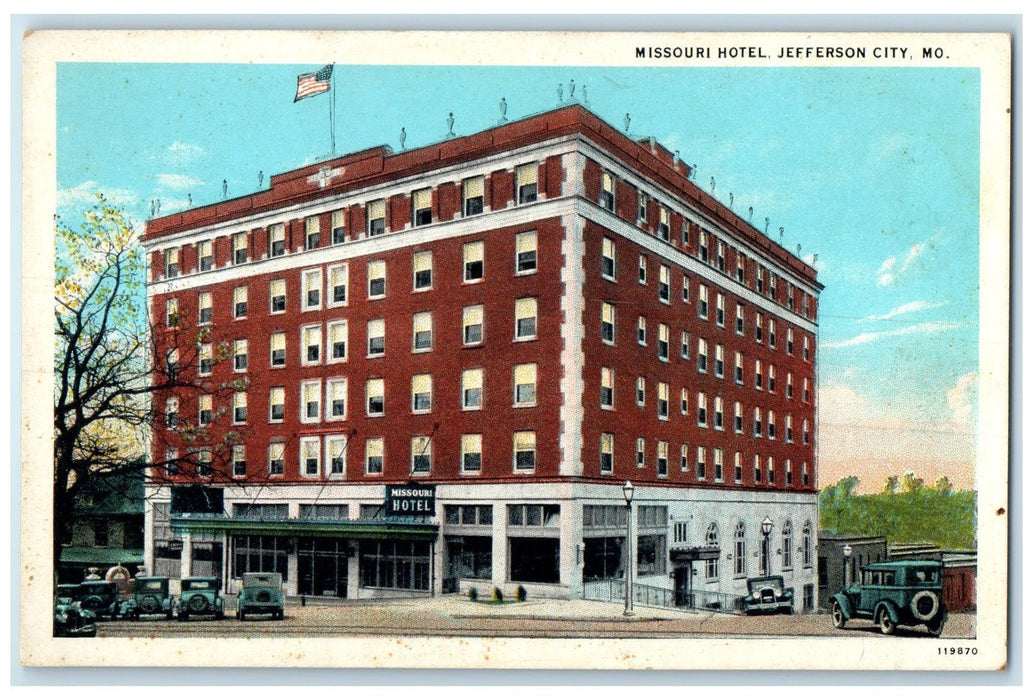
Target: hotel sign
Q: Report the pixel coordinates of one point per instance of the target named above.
(409, 499)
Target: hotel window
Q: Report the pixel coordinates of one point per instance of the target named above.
(473, 261)
(701, 410)
(422, 386)
(661, 459)
(806, 390)
(276, 459)
(760, 277)
(703, 252)
(738, 368)
(311, 232)
(337, 285)
(607, 198)
(665, 284)
(204, 359)
(685, 288)
(375, 455)
(771, 378)
(337, 339)
(684, 401)
(640, 452)
(239, 461)
(662, 341)
(421, 212)
(172, 262)
(740, 320)
(204, 461)
(720, 312)
(311, 285)
(806, 477)
(740, 269)
(606, 388)
(702, 356)
(789, 297)
(642, 269)
(205, 259)
(771, 425)
(172, 313)
(526, 252)
(422, 331)
(473, 196)
(719, 413)
(758, 369)
(609, 322)
(756, 469)
(239, 407)
(806, 348)
(470, 448)
(719, 361)
(704, 295)
(525, 382)
(337, 232)
(422, 270)
(172, 411)
(684, 457)
(527, 183)
(662, 400)
(606, 453)
(738, 467)
(240, 302)
(642, 330)
(204, 409)
(701, 463)
(771, 470)
(239, 248)
(204, 308)
(277, 296)
(771, 333)
(663, 230)
(643, 203)
(685, 233)
(685, 345)
(738, 418)
(277, 240)
(789, 385)
(758, 423)
(609, 270)
(336, 445)
(807, 545)
(789, 428)
(787, 545)
(310, 400)
(376, 218)
(376, 279)
(773, 285)
(309, 456)
(375, 338)
(806, 433)
(336, 399)
(640, 391)
(374, 397)
(473, 389)
(524, 444)
(789, 340)
(712, 543)
(526, 313)
(473, 325)
(422, 454)
(719, 464)
(276, 407)
(739, 555)
(311, 344)
(720, 246)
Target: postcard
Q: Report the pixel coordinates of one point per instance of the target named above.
(515, 350)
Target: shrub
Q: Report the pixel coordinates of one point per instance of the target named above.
(472, 594)
(496, 595)
(521, 594)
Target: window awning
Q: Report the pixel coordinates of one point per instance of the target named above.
(357, 529)
(101, 555)
(685, 555)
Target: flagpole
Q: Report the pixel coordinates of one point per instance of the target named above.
(333, 100)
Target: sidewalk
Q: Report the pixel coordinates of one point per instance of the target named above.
(459, 606)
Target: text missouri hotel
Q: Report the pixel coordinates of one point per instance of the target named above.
(506, 327)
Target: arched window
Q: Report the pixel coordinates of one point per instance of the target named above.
(712, 543)
(807, 544)
(740, 549)
(787, 545)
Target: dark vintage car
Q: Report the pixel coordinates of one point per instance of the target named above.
(100, 598)
(199, 595)
(767, 594)
(70, 620)
(894, 593)
(150, 597)
(260, 594)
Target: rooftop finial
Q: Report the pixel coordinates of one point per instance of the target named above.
(559, 92)
(573, 86)
(767, 220)
(225, 189)
(799, 249)
(713, 185)
(584, 95)
(401, 138)
(781, 230)
(261, 176)
(450, 122)
(692, 171)
(502, 109)
(750, 214)
(731, 199)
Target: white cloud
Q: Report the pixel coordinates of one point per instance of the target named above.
(83, 195)
(918, 328)
(815, 262)
(961, 399)
(889, 272)
(175, 181)
(908, 308)
(180, 153)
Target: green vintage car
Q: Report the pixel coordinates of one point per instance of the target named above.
(199, 595)
(894, 593)
(150, 597)
(70, 620)
(100, 598)
(260, 594)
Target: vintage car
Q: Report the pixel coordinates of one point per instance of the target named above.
(100, 598)
(767, 594)
(260, 594)
(150, 597)
(894, 593)
(199, 595)
(70, 620)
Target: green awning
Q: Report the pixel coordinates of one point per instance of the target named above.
(357, 529)
(101, 556)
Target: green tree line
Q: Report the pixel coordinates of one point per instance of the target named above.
(906, 511)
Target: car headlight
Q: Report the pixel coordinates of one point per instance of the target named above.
(778, 593)
(756, 595)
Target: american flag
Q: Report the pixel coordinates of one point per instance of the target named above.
(310, 84)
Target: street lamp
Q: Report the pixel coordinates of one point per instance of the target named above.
(847, 551)
(629, 493)
(765, 529)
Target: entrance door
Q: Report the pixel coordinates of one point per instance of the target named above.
(681, 587)
(330, 575)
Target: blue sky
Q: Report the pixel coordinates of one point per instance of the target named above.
(874, 170)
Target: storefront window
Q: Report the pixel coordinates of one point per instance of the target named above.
(534, 559)
(266, 553)
(404, 565)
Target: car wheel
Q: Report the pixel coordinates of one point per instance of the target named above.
(183, 617)
(925, 606)
(838, 616)
(168, 615)
(886, 623)
(241, 615)
(219, 615)
(935, 626)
